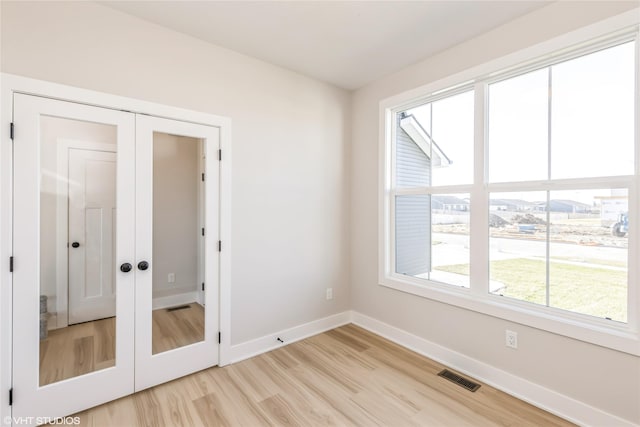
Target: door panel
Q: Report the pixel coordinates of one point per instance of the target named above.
(177, 229)
(72, 367)
(92, 212)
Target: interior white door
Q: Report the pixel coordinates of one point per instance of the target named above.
(177, 235)
(92, 228)
(75, 367)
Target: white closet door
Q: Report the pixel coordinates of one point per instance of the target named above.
(177, 258)
(60, 369)
(92, 214)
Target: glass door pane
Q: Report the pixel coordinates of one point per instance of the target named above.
(77, 247)
(178, 241)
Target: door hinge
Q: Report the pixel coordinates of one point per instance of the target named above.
(220, 155)
(11, 397)
(203, 231)
(10, 264)
(203, 286)
(202, 176)
(219, 245)
(11, 130)
(219, 337)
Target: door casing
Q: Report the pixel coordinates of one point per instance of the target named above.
(11, 84)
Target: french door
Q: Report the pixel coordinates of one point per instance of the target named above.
(115, 245)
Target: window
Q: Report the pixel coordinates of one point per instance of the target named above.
(434, 149)
(570, 120)
(516, 194)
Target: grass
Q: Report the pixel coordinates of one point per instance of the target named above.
(605, 262)
(596, 291)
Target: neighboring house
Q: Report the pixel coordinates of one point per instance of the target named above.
(416, 155)
(565, 206)
(449, 203)
(512, 205)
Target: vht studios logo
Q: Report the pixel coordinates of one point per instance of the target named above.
(41, 420)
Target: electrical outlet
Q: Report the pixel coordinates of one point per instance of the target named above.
(511, 339)
(171, 278)
(329, 293)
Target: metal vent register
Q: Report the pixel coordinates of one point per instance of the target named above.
(180, 307)
(459, 380)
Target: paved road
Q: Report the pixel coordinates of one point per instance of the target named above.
(454, 249)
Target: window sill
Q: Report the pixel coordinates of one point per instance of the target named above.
(606, 333)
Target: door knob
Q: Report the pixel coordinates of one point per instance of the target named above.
(143, 265)
(75, 245)
(126, 267)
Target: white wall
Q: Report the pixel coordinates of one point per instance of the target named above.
(289, 191)
(603, 378)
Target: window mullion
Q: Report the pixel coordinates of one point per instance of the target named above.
(479, 221)
(633, 278)
(549, 160)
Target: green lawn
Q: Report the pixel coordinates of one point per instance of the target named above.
(591, 290)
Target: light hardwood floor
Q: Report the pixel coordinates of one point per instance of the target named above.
(343, 377)
(177, 328)
(77, 350)
(90, 346)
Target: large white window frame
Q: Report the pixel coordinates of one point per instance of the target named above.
(623, 337)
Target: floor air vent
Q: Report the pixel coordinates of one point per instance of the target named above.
(457, 379)
(180, 307)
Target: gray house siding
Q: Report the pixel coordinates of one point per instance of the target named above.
(413, 167)
(413, 213)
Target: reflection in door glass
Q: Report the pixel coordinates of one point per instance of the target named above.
(77, 248)
(178, 241)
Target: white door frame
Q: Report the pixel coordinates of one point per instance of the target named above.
(61, 319)
(10, 84)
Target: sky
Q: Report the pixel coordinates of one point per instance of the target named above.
(590, 113)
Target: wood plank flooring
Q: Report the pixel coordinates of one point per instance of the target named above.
(177, 328)
(91, 346)
(77, 350)
(344, 377)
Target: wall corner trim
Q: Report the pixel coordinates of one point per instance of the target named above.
(537, 395)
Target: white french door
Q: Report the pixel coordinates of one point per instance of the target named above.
(177, 212)
(75, 372)
(143, 213)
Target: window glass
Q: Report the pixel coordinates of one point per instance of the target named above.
(434, 143)
(588, 253)
(432, 237)
(563, 249)
(592, 114)
(518, 128)
(517, 245)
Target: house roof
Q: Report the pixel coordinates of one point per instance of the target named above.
(449, 200)
(423, 140)
(511, 202)
(567, 202)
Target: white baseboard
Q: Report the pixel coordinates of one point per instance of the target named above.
(539, 396)
(269, 342)
(173, 300)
